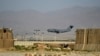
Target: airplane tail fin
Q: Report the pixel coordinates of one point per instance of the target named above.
(71, 26)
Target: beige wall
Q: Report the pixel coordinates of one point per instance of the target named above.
(27, 43)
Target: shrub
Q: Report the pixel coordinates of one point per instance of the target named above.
(18, 47)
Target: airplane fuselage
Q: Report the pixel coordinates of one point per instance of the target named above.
(60, 30)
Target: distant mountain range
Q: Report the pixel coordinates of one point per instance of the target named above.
(28, 20)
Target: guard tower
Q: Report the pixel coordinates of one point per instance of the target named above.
(6, 38)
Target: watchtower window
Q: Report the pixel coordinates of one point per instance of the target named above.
(4, 31)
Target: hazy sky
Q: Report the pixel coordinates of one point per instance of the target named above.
(44, 5)
(26, 15)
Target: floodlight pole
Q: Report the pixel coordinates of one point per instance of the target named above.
(37, 33)
(42, 38)
(55, 37)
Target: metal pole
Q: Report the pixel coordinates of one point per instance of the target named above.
(42, 37)
(55, 37)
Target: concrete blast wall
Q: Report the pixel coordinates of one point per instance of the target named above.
(6, 38)
(88, 39)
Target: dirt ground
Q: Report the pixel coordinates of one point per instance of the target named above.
(50, 53)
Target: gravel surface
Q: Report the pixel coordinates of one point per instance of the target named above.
(12, 54)
(75, 53)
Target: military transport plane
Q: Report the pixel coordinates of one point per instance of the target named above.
(61, 30)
